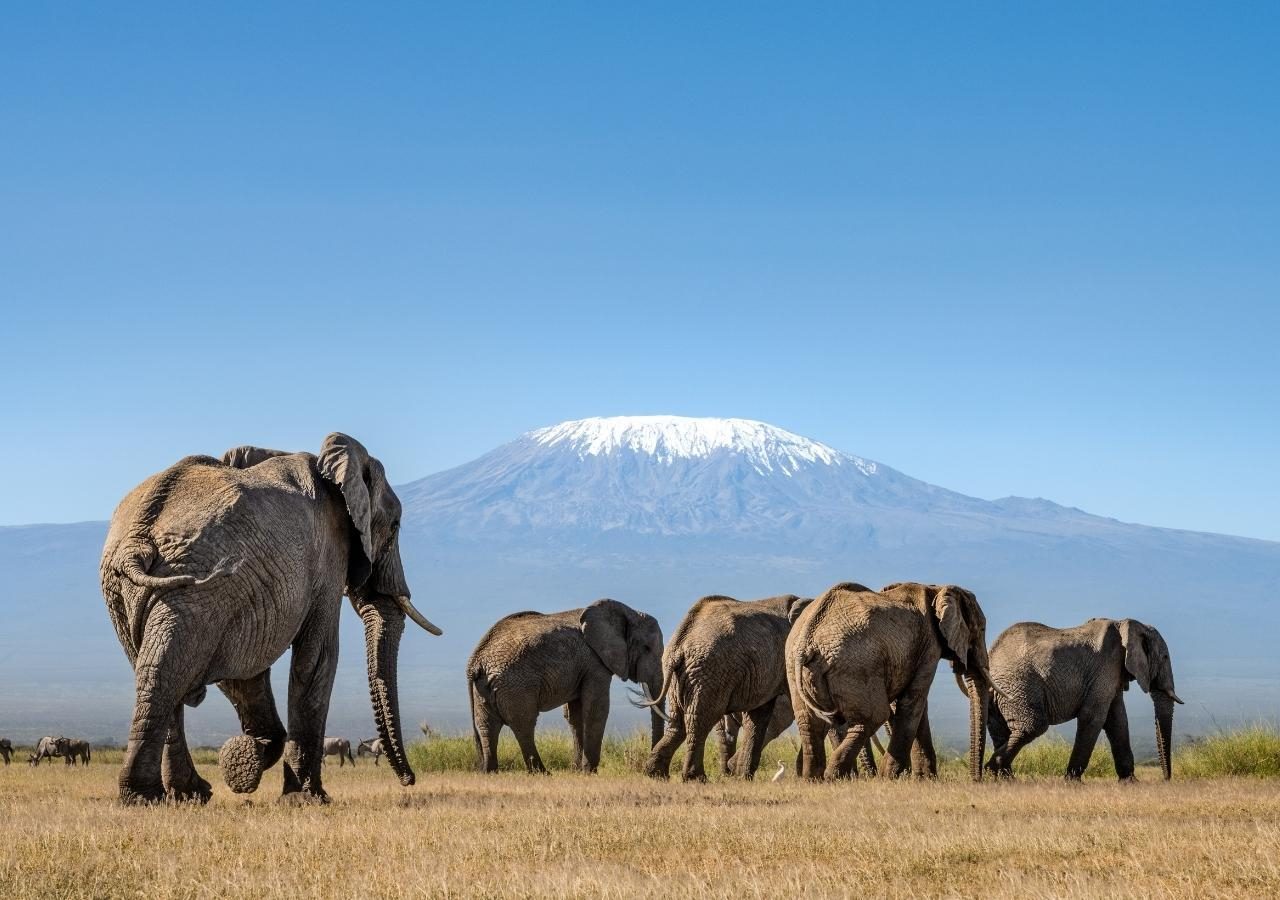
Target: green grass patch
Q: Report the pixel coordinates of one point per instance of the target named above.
(1252, 751)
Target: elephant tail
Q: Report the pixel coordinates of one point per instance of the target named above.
(477, 685)
(132, 567)
(803, 665)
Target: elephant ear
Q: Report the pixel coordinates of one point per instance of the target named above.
(344, 462)
(1133, 636)
(949, 607)
(795, 606)
(604, 625)
(248, 456)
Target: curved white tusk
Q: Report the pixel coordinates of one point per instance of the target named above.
(417, 617)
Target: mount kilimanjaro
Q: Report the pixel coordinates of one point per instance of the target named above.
(658, 511)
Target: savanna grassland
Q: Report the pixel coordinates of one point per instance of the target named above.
(617, 834)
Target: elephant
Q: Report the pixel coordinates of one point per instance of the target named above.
(531, 662)
(339, 747)
(214, 567)
(860, 658)
(6, 750)
(370, 747)
(46, 748)
(725, 657)
(71, 750)
(1046, 676)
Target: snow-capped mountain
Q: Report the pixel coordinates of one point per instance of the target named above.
(664, 475)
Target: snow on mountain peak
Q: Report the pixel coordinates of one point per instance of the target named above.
(668, 438)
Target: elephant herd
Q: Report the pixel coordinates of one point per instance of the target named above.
(215, 567)
(841, 667)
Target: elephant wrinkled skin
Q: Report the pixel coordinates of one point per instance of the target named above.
(213, 568)
(532, 662)
(857, 658)
(1046, 676)
(725, 657)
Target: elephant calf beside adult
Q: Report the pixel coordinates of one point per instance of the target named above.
(213, 568)
(1046, 676)
(858, 659)
(726, 657)
(532, 662)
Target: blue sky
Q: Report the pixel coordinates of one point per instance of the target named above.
(1020, 249)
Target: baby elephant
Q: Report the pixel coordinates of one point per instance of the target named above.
(532, 662)
(1046, 676)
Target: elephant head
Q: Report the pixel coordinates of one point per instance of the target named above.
(962, 627)
(375, 580)
(629, 643)
(1146, 660)
(795, 606)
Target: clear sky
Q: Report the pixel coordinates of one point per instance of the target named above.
(1010, 249)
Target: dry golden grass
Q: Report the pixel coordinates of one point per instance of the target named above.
(619, 835)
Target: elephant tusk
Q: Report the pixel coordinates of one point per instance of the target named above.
(418, 618)
(1174, 697)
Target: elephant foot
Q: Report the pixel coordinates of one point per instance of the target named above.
(305, 798)
(196, 790)
(1128, 779)
(241, 760)
(141, 795)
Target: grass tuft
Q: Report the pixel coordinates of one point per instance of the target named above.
(1253, 751)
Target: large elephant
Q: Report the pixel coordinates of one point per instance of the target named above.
(71, 750)
(213, 568)
(726, 656)
(532, 662)
(6, 750)
(860, 658)
(1046, 676)
(46, 748)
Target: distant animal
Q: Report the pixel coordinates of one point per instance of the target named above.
(71, 750)
(213, 568)
(782, 770)
(339, 747)
(1047, 676)
(726, 656)
(370, 747)
(532, 662)
(6, 750)
(862, 658)
(46, 748)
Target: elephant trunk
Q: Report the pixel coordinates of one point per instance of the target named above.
(1164, 732)
(383, 619)
(977, 688)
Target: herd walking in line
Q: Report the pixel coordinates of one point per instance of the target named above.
(214, 567)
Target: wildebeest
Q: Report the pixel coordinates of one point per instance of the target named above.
(72, 749)
(340, 747)
(46, 748)
(370, 747)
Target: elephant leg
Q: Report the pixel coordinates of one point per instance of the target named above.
(256, 706)
(903, 724)
(573, 715)
(812, 761)
(698, 722)
(844, 758)
(755, 736)
(1002, 762)
(1000, 733)
(924, 758)
(1088, 727)
(659, 762)
(177, 771)
(488, 727)
(595, 716)
(726, 735)
(315, 660)
(523, 728)
(164, 671)
(1117, 729)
